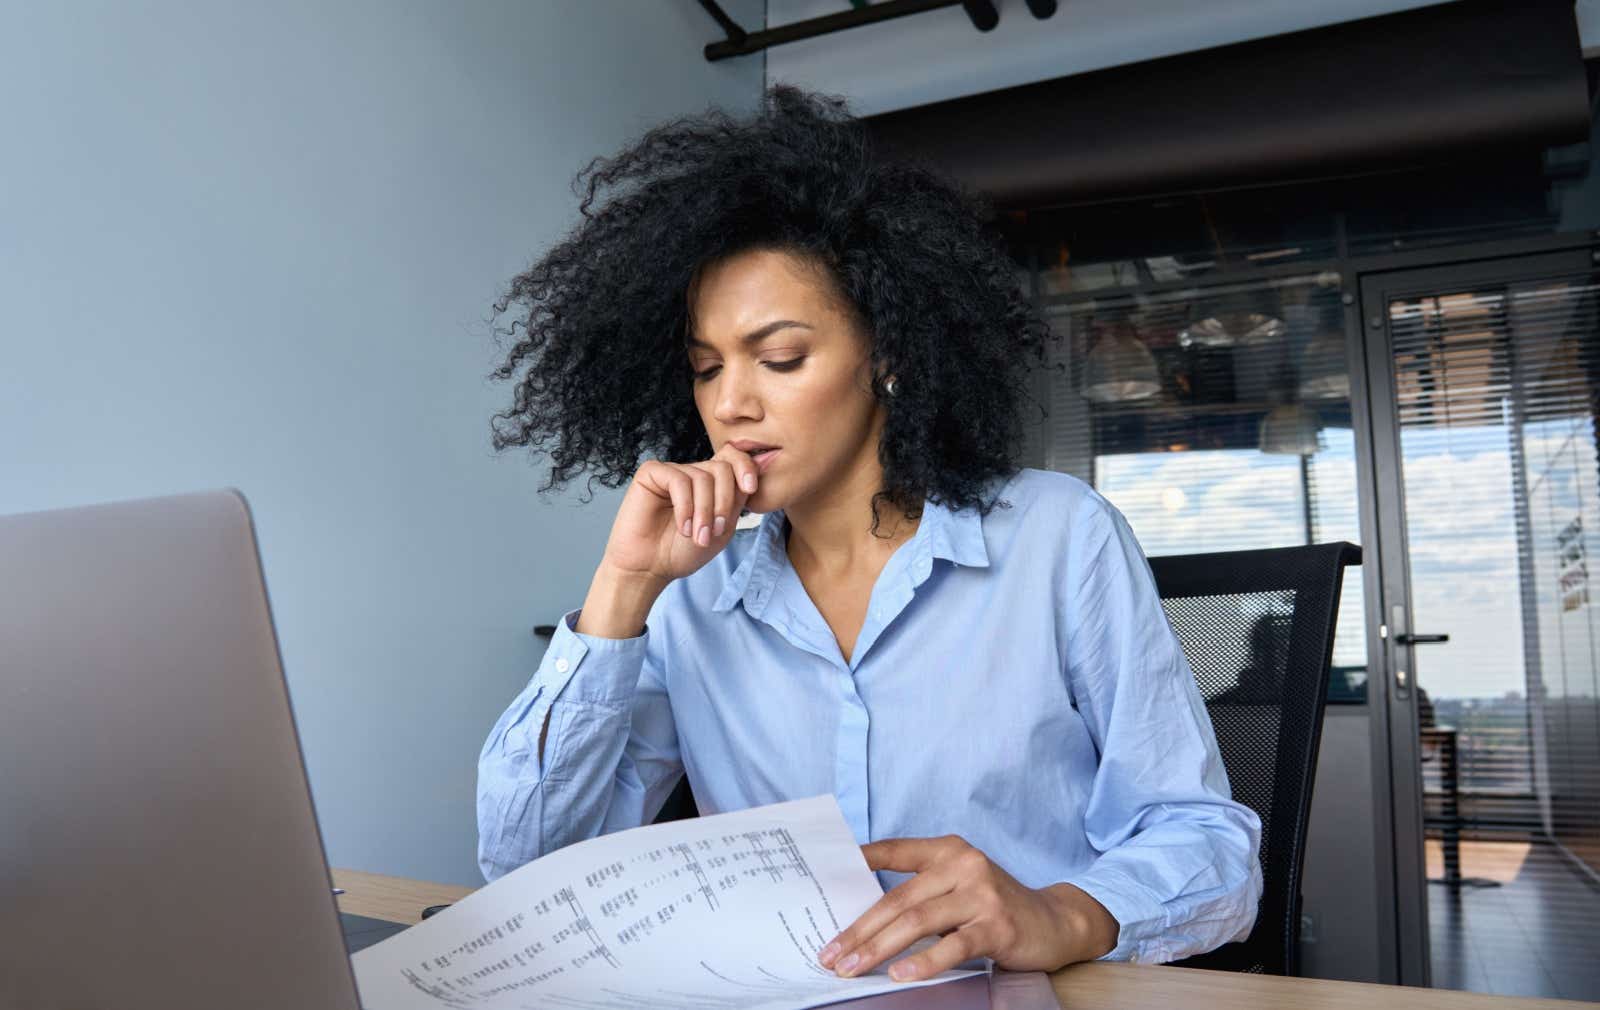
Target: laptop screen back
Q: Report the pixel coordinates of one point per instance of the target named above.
(158, 846)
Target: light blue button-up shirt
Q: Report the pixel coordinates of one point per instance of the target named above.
(1015, 683)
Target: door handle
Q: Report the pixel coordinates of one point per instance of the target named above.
(1405, 639)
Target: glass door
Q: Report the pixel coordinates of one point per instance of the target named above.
(1484, 380)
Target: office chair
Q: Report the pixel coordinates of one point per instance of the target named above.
(679, 805)
(1257, 628)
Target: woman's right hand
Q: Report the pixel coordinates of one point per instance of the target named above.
(677, 516)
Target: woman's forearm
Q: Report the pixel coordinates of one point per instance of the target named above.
(617, 604)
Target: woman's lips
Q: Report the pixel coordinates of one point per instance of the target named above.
(764, 458)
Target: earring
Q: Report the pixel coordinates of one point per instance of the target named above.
(888, 385)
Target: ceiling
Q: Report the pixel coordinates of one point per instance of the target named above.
(936, 55)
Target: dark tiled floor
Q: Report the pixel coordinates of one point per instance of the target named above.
(1538, 934)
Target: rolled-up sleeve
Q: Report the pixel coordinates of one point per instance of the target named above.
(610, 755)
(1178, 864)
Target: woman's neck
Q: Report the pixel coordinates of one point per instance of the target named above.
(833, 537)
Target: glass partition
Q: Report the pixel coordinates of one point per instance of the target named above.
(1215, 417)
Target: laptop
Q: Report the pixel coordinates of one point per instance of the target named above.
(158, 845)
(157, 842)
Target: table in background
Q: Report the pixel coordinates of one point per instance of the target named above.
(1098, 985)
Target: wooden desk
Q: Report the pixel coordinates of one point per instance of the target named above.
(1095, 986)
(392, 899)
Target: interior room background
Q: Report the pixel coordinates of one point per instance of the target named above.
(257, 247)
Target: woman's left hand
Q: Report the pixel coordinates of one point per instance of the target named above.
(979, 909)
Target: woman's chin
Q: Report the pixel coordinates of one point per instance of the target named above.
(763, 501)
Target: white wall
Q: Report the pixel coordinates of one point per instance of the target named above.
(254, 244)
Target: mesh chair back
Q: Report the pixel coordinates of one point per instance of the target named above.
(1257, 628)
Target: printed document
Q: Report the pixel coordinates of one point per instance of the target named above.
(724, 911)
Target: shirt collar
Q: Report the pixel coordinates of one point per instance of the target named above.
(955, 535)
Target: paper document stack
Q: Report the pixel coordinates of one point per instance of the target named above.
(728, 910)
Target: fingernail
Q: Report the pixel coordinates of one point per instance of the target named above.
(704, 539)
(748, 482)
(685, 527)
(899, 971)
(828, 953)
(720, 525)
(848, 963)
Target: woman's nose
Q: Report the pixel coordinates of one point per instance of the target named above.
(736, 398)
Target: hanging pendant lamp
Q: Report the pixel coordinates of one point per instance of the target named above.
(1323, 372)
(1120, 369)
(1232, 329)
(1290, 429)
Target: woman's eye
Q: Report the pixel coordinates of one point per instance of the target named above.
(777, 366)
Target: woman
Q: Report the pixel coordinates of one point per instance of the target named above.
(970, 657)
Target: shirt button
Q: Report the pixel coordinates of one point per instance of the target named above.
(1133, 958)
(562, 666)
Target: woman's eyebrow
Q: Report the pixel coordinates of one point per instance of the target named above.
(755, 335)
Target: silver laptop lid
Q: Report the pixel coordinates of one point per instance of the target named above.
(158, 847)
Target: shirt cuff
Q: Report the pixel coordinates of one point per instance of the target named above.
(614, 664)
(1140, 920)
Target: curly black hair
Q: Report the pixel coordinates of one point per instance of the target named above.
(908, 251)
